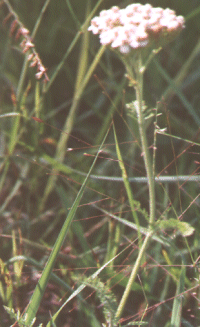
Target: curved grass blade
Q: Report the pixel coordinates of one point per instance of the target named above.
(42, 283)
(82, 286)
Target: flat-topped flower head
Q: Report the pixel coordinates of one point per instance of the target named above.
(136, 26)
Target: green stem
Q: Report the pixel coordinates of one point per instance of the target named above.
(144, 143)
(62, 143)
(133, 275)
(138, 85)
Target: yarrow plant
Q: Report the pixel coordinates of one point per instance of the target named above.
(136, 33)
(136, 26)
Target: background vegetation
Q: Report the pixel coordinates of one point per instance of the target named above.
(42, 169)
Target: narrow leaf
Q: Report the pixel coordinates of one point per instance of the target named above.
(42, 283)
(177, 304)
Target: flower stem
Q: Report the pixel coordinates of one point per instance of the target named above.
(138, 85)
(145, 149)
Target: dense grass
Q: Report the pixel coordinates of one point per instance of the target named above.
(45, 162)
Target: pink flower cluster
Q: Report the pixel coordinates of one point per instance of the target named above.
(18, 29)
(136, 26)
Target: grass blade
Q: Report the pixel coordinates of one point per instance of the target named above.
(60, 152)
(82, 286)
(42, 283)
(127, 186)
(177, 304)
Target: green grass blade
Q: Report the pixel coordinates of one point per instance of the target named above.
(69, 122)
(193, 13)
(127, 186)
(72, 45)
(82, 286)
(26, 62)
(62, 167)
(113, 107)
(15, 188)
(60, 151)
(177, 304)
(83, 57)
(143, 230)
(42, 283)
(174, 88)
(39, 19)
(39, 266)
(11, 146)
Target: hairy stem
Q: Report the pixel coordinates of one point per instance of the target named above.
(138, 85)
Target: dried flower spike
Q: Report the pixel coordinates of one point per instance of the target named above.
(136, 26)
(27, 44)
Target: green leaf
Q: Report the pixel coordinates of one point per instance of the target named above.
(184, 228)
